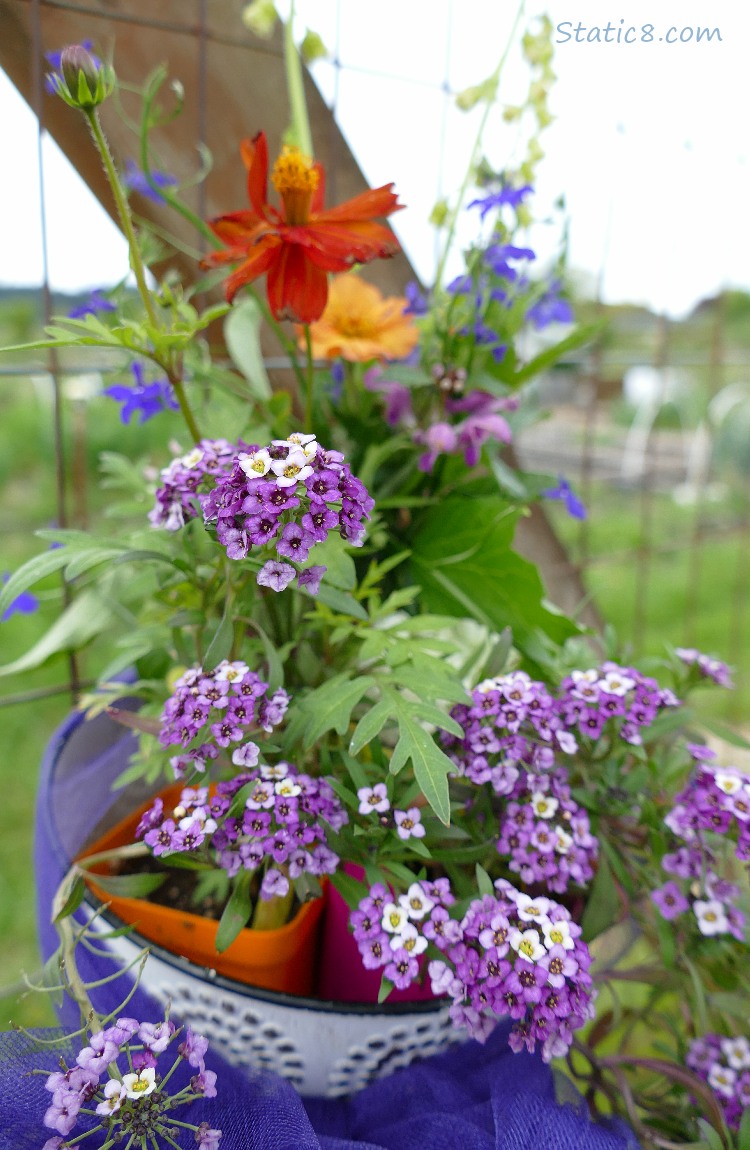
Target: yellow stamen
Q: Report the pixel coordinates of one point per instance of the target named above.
(295, 179)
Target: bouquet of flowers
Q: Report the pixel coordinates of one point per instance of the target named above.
(359, 685)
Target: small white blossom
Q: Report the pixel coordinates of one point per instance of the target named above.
(395, 918)
(527, 944)
(415, 902)
(140, 1084)
(711, 916)
(722, 1079)
(256, 464)
(544, 806)
(737, 1052)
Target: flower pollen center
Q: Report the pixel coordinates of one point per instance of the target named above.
(295, 179)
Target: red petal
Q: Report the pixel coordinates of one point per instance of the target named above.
(260, 259)
(238, 228)
(255, 158)
(336, 246)
(297, 289)
(375, 202)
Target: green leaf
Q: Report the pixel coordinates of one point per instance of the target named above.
(342, 602)
(370, 725)
(386, 986)
(349, 888)
(551, 355)
(484, 882)
(334, 555)
(242, 336)
(603, 905)
(221, 645)
(30, 573)
(465, 563)
(75, 897)
(743, 1135)
(710, 1137)
(128, 885)
(88, 615)
(236, 913)
(275, 665)
(431, 765)
(330, 706)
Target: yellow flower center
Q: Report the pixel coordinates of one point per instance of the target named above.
(295, 179)
(357, 326)
(291, 470)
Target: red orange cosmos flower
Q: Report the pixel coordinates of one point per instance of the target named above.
(298, 245)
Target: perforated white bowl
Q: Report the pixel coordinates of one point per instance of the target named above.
(322, 1048)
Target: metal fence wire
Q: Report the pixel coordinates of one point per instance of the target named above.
(649, 425)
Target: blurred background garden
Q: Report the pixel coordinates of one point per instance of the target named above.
(649, 423)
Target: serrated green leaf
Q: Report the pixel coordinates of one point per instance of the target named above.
(710, 1136)
(438, 718)
(370, 725)
(431, 765)
(242, 336)
(743, 1135)
(236, 913)
(330, 707)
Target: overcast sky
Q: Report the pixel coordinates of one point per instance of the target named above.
(649, 146)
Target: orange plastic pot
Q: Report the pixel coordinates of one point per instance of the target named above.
(283, 959)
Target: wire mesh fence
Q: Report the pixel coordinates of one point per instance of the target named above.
(649, 429)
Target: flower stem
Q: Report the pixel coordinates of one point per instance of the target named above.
(471, 168)
(300, 124)
(309, 382)
(136, 261)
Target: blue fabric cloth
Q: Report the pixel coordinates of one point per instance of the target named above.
(470, 1098)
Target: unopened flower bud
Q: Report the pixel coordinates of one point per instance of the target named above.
(83, 81)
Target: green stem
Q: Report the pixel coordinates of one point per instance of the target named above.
(123, 211)
(471, 169)
(136, 261)
(296, 89)
(309, 382)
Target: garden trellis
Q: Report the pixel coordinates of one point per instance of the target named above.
(236, 81)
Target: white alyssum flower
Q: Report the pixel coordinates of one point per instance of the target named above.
(544, 806)
(737, 1052)
(395, 918)
(140, 1084)
(415, 902)
(711, 916)
(527, 943)
(255, 464)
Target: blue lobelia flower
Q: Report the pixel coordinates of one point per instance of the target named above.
(96, 302)
(147, 398)
(506, 195)
(135, 180)
(566, 495)
(24, 604)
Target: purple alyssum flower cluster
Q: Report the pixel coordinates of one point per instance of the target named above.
(546, 835)
(118, 1080)
(186, 481)
(614, 700)
(228, 701)
(512, 732)
(509, 955)
(287, 497)
(715, 804)
(706, 666)
(278, 831)
(724, 1063)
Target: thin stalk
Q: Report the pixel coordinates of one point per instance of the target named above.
(296, 89)
(468, 177)
(123, 212)
(136, 260)
(309, 382)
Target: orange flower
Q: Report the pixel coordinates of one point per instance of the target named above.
(299, 244)
(358, 324)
